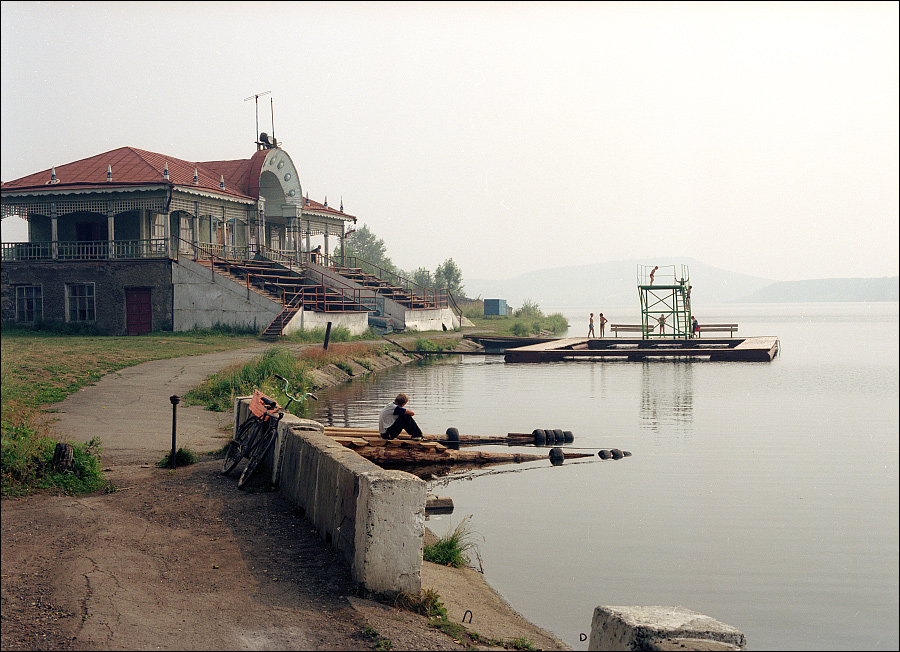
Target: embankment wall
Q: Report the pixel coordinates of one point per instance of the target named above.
(375, 518)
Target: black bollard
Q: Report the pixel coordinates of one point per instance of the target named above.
(327, 335)
(175, 400)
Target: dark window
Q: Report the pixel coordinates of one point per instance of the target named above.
(80, 298)
(29, 303)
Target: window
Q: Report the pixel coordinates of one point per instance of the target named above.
(186, 233)
(29, 303)
(159, 226)
(80, 302)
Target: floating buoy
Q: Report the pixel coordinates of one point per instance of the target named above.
(539, 437)
(452, 434)
(568, 436)
(560, 437)
(556, 456)
(616, 454)
(604, 454)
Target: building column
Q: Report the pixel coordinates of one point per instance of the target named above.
(307, 238)
(111, 230)
(327, 251)
(54, 232)
(168, 235)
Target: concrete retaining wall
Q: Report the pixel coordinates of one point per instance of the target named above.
(375, 518)
(356, 322)
(660, 628)
(203, 300)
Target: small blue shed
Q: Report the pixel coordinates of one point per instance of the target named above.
(495, 307)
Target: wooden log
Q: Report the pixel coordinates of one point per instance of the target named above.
(438, 505)
(398, 455)
(464, 440)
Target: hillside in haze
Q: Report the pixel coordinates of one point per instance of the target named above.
(615, 284)
(828, 289)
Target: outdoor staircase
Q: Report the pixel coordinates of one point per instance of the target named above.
(290, 288)
(414, 299)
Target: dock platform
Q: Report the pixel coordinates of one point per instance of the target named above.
(741, 349)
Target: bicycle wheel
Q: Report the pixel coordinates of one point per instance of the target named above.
(239, 445)
(258, 454)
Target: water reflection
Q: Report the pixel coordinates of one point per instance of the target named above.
(667, 395)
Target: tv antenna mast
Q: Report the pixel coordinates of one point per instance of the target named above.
(255, 98)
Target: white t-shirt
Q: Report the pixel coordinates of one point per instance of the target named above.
(388, 416)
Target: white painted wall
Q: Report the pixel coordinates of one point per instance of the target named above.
(202, 299)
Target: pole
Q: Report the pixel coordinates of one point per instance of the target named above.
(327, 336)
(175, 400)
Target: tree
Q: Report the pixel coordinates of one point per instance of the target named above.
(364, 244)
(449, 275)
(422, 277)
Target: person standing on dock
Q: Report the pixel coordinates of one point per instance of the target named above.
(653, 273)
(395, 418)
(602, 322)
(662, 324)
(695, 327)
(591, 327)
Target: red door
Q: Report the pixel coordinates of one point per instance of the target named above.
(137, 311)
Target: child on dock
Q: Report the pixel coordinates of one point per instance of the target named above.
(591, 327)
(395, 418)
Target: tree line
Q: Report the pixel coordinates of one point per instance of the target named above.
(364, 244)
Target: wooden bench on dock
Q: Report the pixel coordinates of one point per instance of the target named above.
(626, 328)
(718, 328)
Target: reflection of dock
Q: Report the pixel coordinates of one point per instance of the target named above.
(742, 349)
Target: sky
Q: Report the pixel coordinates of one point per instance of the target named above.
(761, 138)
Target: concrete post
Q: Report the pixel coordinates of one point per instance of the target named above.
(660, 628)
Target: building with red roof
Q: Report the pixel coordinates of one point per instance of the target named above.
(132, 241)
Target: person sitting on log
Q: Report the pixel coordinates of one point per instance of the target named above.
(395, 418)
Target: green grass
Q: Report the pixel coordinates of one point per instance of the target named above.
(183, 457)
(27, 465)
(452, 549)
(41, 367)
(380, 643)
(218, 392)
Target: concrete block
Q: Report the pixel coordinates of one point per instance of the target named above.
(660, 628)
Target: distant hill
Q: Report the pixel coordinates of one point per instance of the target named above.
(612, 283)
(828, 289)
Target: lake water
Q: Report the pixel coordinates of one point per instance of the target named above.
(764, 495)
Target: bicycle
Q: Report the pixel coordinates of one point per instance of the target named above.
(258, 433)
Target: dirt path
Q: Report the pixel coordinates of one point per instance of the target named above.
(184, 560)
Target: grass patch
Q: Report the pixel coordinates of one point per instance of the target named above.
(27, 464)
(380, 643)
(218, 392)
(183, 457)
(426, 603)
(452, 549)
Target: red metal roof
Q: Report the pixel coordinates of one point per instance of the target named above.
(137, 167)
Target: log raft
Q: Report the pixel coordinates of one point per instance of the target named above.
(428, 450)
(371, 435)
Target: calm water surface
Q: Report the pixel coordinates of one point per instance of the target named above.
(764, 495)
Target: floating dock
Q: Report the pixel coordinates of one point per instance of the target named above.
(735, 349)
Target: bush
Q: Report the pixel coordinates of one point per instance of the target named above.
(529, 309)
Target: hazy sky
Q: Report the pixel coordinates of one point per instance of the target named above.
(757, 137)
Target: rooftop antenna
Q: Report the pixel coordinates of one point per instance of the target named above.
(255, 98)
(272, 104)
